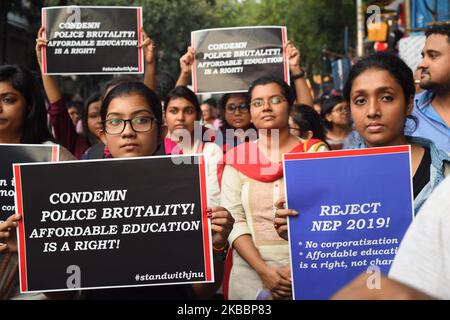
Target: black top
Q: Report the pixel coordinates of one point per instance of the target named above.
(422, 176)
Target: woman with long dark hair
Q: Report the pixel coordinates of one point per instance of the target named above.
(23, 120)
(380, 92)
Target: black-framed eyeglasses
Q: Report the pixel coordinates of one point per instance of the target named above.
(243, 107)
(138, 124)
(273, 101)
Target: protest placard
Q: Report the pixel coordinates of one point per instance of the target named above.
(92, 40)
(230, 59)
(19, 153)
(119, 222)
(354, 209)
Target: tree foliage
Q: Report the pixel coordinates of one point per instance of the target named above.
(313, 25)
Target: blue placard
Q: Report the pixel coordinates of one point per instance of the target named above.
(354, 208)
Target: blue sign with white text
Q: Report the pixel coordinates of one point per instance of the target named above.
(354, 209)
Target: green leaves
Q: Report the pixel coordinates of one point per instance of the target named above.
(311, 24)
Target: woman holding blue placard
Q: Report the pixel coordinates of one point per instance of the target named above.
(252, 182)
(380, 92)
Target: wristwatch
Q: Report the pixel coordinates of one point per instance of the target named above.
(302, 74)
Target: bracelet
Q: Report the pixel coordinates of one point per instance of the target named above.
(220, 254)
(302, 74)
(222, 249)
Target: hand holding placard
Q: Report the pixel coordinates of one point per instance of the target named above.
(8, 240)
(187, 60)
(149, 48)
(221, 224)
(186, 63)
(294, 58)
(280, 221)
(40, 43)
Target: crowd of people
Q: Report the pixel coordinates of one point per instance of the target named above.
(378, 107)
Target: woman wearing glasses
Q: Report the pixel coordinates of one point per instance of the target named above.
(132, 117)
(84, 146)
(252, 182)
(337, 123)
(237, 126)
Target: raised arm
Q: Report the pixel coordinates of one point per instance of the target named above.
(186, 62)
(301, 87)
(150, 64)
(64, 130)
